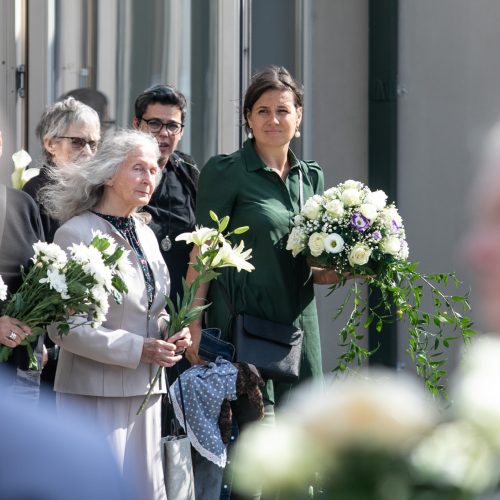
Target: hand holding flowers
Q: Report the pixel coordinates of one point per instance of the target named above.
(353, 231)
(57, 285)
(215, 252)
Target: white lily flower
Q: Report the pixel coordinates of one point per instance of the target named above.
(228, 256)
(199, 236)
(21, 160)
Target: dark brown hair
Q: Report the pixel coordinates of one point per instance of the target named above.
(271, 78)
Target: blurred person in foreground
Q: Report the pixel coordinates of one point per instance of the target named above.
(482, 243)
(44, 458)
(20, 227)
(106, 371)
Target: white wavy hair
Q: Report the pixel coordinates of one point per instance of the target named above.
(79, 186)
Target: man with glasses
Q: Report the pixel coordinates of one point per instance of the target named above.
(161, 110)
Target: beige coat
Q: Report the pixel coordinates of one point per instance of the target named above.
(105, 361)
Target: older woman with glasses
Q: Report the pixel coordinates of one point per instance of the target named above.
(69, 131)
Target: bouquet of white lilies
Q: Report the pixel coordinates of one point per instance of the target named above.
(215, 252)
(354, 231)
(58, 284)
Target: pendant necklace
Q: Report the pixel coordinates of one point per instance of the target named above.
(166, 242)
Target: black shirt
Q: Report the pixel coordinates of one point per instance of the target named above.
(32, 187)
(172, 208)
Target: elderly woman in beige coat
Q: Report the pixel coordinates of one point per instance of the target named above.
(106, 371)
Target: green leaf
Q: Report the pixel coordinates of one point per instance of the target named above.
(213, 216)
(241, 230)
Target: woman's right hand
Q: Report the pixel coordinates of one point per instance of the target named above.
(159, 352)
(12, 331)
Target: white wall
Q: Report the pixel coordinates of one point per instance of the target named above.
(450, 70)
(340, 117)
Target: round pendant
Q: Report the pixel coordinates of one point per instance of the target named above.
(166, 244)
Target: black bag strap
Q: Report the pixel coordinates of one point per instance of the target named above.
(175, 425)
(301, 190)
(3, 208)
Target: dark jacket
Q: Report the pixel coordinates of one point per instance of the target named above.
(172, 208)
(32, 187)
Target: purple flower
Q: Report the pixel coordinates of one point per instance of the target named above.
(359, 222)
(377, 236)
(394, 226)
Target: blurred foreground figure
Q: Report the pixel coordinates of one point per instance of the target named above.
(48, 458)
(482, 245)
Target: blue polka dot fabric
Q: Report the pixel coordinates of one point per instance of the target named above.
(204, 388)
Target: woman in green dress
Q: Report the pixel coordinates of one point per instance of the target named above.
(259, 186)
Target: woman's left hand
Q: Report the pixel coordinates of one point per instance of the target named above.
(182, 339)
(331, 277)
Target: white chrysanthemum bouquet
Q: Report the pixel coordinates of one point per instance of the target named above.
(57, 284)
(353, 230)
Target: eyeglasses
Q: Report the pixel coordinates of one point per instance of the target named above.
(154, 126)
(79, 143)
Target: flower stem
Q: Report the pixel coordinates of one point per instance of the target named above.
(148, 394)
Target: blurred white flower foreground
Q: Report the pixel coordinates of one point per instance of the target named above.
(379, 427)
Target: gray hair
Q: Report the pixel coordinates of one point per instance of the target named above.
(80, 187)
(58, 117)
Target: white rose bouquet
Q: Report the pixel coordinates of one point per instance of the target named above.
(58, 284)
(216, 252)
(354, 231)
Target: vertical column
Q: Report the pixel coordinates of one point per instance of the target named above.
(383, 131)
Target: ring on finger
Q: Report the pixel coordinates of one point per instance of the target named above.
(12, 335)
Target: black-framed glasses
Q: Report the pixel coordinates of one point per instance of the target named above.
(79, 143)
(154, 126)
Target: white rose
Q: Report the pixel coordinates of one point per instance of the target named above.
(335, 208)
(296, 241)
(331, 192)
(369, 211)
(391, 245)
(311, 209)
(316, 244)
(359, 254)
(350, 184)
(377, 198)
(351, 197)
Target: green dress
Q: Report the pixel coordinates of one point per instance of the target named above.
(280, 288)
